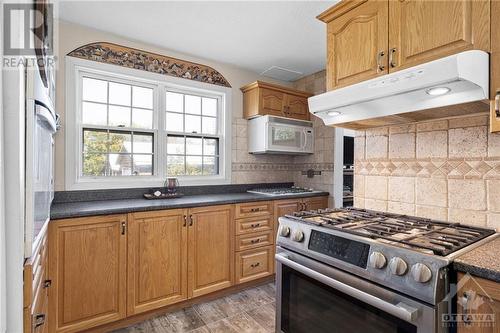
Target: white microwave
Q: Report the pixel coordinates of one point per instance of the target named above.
(276, 135)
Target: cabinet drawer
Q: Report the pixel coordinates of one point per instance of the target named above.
(245, 226)
(254, 264)
(254, 240)
(253, 209)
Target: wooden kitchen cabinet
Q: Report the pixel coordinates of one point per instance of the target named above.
(482, 297)
(422, 31)
(289, 206)
(210, 249)
(157, 259)
(315, 203)
(261, 98)
(254, 264)
(357, 42)
(88, 260)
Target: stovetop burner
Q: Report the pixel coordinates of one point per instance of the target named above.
(276, 191)
(424, 235)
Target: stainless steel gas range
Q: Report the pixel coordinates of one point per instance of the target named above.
(354, 270)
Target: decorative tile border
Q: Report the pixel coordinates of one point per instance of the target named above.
(469, 168)
(133, 58)
(281, 166)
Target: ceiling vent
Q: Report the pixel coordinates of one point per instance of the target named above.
(282, 74)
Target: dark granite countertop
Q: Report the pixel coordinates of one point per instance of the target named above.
(61, 210)
(483, 261)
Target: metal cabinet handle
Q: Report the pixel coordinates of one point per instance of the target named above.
(39, 320)
(400, 310)
(254, 241)
(380, 57)
(255, 225)
(464, 301)
(392, 62)
(255, 265)
(497, 104)
(47, 283)
(123, 225)
(185, 221)
(255, 209)
(191, 221)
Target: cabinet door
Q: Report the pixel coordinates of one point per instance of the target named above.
(157, 259)
(422, 31)
(272, 102)
(211, 249)
(297, 107)
(357, 44)
(88, 272)
(284, 207)
(316, 203)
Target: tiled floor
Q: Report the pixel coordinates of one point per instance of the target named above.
(249, 311)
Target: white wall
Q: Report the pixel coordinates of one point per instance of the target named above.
(72, 36)
(2, 196)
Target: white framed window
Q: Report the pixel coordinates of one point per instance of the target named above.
(130, 128)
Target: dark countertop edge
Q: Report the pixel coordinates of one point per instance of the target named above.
(168, 205)
(481, 272)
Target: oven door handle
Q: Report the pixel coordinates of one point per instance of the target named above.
(400, 310)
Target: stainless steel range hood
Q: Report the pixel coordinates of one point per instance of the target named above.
(457, 79)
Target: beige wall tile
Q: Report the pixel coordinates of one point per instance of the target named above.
(431, 192)
(359, 185)
(432, 126)
(493, 221)
(432, 144)
(402, 189)
(494, 144)
(359, 202)
(380, 205)
(471, 217)
(432, 212)
(494, 195)
(376, 187)
(376, 147)
(468, 142)
(407, 128)
(467, 194)
(402, 145)
(359, 148)
(377, 131)
(401, 208)
(481, 120)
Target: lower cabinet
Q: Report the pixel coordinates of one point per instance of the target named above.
(88, 261)
(254, 264)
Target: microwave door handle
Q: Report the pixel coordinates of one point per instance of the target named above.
(400, 310)
(304, 140)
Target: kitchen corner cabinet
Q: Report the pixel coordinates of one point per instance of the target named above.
(289, 206)
(482, 297)
(260, 98)
(88, 260)
(369, 38)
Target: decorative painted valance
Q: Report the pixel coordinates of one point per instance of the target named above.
(110, 53)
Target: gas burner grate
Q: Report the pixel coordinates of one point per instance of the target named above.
(441, 238)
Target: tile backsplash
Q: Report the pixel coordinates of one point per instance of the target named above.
(447, 169)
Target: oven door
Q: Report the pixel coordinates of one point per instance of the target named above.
(313, 297)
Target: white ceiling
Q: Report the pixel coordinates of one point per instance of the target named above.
(254, 35)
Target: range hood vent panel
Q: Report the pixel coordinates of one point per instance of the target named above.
(466, 75)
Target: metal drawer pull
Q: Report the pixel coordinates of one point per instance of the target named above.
(191, 220)
(255, 265)
(380, 67)
(185, 221)
(47, 283)
(123, 228)
(497, 104)
(253, 241)
(39, 320)
(400, 310)
(392, 52)
(254, 210)
(255, 225)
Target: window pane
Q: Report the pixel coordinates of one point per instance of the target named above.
(94, 114)
(119, 116)
(175, 145)
(143, 143)
(193, 124)
(193, 165)
(174, 102)
(94, 90)
(209, 107)
(95, 141)
(193, 146)
(174, 122)
(94, 164)
(120, 142)
(119, 93)
(209, 125)
(143, 165)
(175, 165)
(193, 104)
(120, 164)
(142, 97)
(142, 118)
(210, 147)
(210, 166)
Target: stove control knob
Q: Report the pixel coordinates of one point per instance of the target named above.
(298, 236)
(377, 260)
(398, 266)
(284, 231)
(421, 273)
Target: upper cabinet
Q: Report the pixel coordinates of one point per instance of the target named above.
(369, 38)
(357, 43)
(422, 31)
(260, 98)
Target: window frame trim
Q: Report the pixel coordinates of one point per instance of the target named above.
(74, 180)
